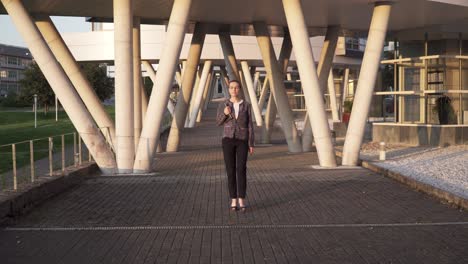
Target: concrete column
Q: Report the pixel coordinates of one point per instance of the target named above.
(324, 66)
(192, 101)
(199, 93)
(276, 77)
(185, 94)
(367, 78)
(245, 92)
(160, 94)
(310, 82)
(229, 56)
(256, 83)
(76, 76)
(270, 117)
(152, 74)
(205, 97)
(137, 83)
(332, 94)
(263, 94)
(144, 102)
(345, 87)
(252, 94)
(63, 88)
(224, 84)
(123, 50)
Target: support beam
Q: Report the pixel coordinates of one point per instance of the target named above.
(252, 95)
(263, 94)
(245, 92)
(270, 117)
(123, 50)
(366, 82)
(332, 94)
(324, 66)
(63, 88)
(199, 93)
(206, 94)
(185, 94)
(276, 77)
(310, 83)
(345, 87)
(76, 76)
(229, 56)
(152, 74)
(224, 83)
(137, 83)
(160, 94)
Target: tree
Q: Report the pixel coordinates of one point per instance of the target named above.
(34, 82)
(97, 76)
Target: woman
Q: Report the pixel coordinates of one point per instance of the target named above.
(238, 139)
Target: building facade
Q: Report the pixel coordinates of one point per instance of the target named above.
(13, 62)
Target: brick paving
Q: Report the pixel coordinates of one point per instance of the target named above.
(180, 215)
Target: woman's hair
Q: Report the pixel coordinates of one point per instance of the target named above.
(235, 81)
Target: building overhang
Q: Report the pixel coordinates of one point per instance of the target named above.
(350, 15)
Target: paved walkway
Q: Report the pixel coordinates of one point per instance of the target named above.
(297, 215)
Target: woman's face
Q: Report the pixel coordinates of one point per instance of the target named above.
(234, 89)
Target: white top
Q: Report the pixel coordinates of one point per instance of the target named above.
(236, 108)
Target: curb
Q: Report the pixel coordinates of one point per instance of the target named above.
(441, 195)
(20, 202)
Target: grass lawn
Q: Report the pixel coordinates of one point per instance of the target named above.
(17, 125)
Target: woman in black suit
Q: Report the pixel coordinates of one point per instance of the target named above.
(238, 140)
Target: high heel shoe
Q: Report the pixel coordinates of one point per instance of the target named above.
(233, 208)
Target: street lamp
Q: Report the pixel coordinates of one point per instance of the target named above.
(35, 110)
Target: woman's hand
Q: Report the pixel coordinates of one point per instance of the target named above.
(227, 110)
(251, 150)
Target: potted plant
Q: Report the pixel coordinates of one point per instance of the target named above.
(347, 107)
(444, 110)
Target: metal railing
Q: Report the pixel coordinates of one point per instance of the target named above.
(28, 161)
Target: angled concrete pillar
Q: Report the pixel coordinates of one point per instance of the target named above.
(229, 56)
(263, 94)
(63, 88)
(252, 94)
(160, 94)
(152, 74)
(345, 86)
(256, 82)
(270, 117)
(324, 65)
(245, 92)
(310, 82)
(144, 102)
(137, 82)
(205, 98)
(366, 82)
(123, 50)
(197, 100)
(76, 76)
(192, 101)
(276, 77)
(185, 94)
(332, 94)
(224, 83)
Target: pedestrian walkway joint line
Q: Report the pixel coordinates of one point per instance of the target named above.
(195, 227)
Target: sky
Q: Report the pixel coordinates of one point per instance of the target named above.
(9, 35)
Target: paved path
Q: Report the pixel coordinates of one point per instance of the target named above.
(297, 215)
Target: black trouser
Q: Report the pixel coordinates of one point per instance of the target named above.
(235, 157)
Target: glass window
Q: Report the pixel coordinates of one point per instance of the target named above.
(13, 60)
(3, 74)
(2, 60)
(12, 74)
